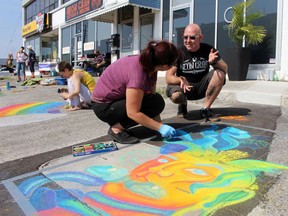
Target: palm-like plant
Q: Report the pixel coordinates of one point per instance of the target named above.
(241, 26)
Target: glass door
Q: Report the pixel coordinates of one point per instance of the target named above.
(78, 49)
(146, 30)
(181, 18)
(127, 37)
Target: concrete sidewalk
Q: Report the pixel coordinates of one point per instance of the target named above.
(250, 91)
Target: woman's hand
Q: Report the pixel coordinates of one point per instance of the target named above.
(65, 95)
(167, 131)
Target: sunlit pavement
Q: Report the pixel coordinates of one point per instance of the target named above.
(233, 167)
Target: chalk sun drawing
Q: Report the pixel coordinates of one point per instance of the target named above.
(203, 174)
(31, 108)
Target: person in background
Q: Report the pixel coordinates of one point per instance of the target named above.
(80, 86)
(21, 57)
(9, 64)
(192, 79)
(96, 63)
(32, 60)
(125, 94)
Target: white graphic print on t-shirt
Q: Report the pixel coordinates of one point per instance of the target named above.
(194, 66)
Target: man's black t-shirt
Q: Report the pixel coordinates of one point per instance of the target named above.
(195, 65)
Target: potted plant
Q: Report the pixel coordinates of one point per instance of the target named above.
(243, 33)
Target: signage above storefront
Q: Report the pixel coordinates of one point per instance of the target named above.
(81, 7)
(29, 28)
(42, 22)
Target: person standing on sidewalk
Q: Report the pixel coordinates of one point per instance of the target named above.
(21, 57)
(32, 60)
(125, 94)
(192, 79)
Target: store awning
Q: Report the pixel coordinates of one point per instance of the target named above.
(106, 12)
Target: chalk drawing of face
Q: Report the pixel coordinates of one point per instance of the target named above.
(179, 181)
(203, 174)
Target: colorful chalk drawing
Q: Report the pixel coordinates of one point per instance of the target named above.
(235, 118)
(188, 175)
(31, 108)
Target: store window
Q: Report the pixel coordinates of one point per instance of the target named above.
(180, 21)
(165, 21)
(78, 49)
(83, 37)
(35, 43)
(103, 33)
(66, 46)
(207, 23)
(95, 36)
(72, 43)
(88, 36)
(125, 16)
(78, 28)
(39, 6)
(127, 36)
(46, 49)
(89, 30)
(37, 49)
(179, 2)
(224, 14)
(265, 52)
(54, 47)
(146, 30)
(262, 53)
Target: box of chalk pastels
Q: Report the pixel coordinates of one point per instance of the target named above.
(93, 148)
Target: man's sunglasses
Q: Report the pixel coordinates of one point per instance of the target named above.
(191, 37)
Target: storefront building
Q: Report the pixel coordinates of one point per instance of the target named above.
(37, 27)
(78, 27)
(59, 39)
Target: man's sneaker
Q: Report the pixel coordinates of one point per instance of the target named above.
(209, 115)
(182, 110)
(122, 137)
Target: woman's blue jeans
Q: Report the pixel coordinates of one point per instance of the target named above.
(22, 66)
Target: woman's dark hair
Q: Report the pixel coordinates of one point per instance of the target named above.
(64, 65)
(158, 53)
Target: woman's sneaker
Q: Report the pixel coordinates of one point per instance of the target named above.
(122, 137)
(209, 115)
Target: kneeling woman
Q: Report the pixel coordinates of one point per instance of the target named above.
(80, 86)
(125, 94)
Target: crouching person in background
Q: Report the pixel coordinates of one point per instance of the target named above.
(80, 86)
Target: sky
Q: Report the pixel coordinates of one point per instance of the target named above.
(10, 27)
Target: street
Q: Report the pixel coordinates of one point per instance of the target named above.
(40, 144)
